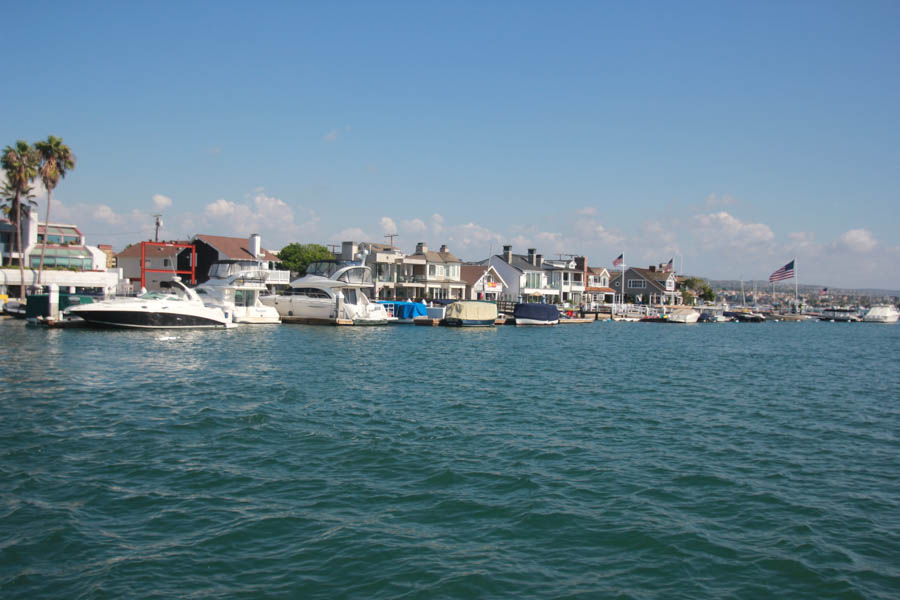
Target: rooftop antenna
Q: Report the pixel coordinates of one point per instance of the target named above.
(333, 248)
(158, 225)
(391, 236)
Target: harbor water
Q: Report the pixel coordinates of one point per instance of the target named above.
(609, 460)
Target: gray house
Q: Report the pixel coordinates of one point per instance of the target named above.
(652, 285)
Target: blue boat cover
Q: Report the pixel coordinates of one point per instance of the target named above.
(408, 310)
(538, 312)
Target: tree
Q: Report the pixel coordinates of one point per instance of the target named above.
(297, 257)
(20, 163)
(699, 288)
(56, 160)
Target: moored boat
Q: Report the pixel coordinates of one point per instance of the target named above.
(175, 306)
(529, 313)
(882, 313)
(235, 286)
(840, 314)
(331, 292)
(471, 313)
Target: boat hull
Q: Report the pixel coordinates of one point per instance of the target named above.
(523, 322)
(452, 322)
(138, 319)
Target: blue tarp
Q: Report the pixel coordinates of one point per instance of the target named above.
(407, 310)
(538, 312)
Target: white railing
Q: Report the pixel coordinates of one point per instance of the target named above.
(275, 277)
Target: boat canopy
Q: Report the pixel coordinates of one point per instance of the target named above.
(408, 310)
(225, 269)
(471, 310)
(538, 312)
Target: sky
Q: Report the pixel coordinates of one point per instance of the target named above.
(732, 137)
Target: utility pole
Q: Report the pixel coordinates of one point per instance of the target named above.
(391, 236)
(158, 225)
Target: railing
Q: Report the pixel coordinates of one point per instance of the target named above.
(278, 277)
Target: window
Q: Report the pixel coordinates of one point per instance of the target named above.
(533, 280)
(636, 284)
(167, 262)
(432, 270)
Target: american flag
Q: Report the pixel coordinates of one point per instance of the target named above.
(618, 261)
(669, 266)
(823, 291)
(785, 272)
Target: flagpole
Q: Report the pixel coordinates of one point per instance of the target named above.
(796, 287)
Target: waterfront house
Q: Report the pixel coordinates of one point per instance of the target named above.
(653, 285)
(69, 261)
(482, 283)
(526, 278)
(566, 276)
(216, 248)
(164, 258)
(441, 273)
(597, 289)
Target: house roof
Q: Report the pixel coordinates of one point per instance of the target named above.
(520, 262)
(472, 273)
(438, 257)
(234, 248)
(602, 290)
(134, 250)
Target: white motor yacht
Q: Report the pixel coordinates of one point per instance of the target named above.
(330, 292)
(236, 286)
(683, 315)
(175, 306)
(882, 313)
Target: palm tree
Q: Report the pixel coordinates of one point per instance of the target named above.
(20, 163)
(56, 160)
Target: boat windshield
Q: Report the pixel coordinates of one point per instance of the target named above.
(327, 268)
(226, 269)
(155, 295)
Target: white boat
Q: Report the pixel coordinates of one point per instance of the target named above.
(683, 315)
(175, 306)
(235, 286)
(882, 313)
(330, 292)
(850, 315)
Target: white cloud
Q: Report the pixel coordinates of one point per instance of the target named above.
(589, 211)
(271, 217)
(105, 214)
(591, 232)
(413, 226)
(351, 234)
(713, 201)
(437, 223)
(161, 202)
(858, 240)
(722, 230)
(388, 226)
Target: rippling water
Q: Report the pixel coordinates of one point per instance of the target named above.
(590, 461)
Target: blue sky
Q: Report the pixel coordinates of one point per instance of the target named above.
(732, 136)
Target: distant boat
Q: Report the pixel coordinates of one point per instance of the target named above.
(530, 313)
(683, 315)
(882, 313)
(471, 313)
(840, 314)
(745, 316)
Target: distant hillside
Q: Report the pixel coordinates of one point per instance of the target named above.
(735, 284)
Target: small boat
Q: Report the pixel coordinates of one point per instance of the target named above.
(840, 314)
(331, 292)
(471, 313)
(175, 306)
(882, 313)
(745, 316)
(235, 286)
(530, 313)
(404, 312)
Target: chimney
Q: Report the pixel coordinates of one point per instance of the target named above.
(444, 248)
(652, 268)
(421, 248)
(348, 250)
(507, 253)
(581, 264)
(255, 247)
(531, 258)
(539, 260)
